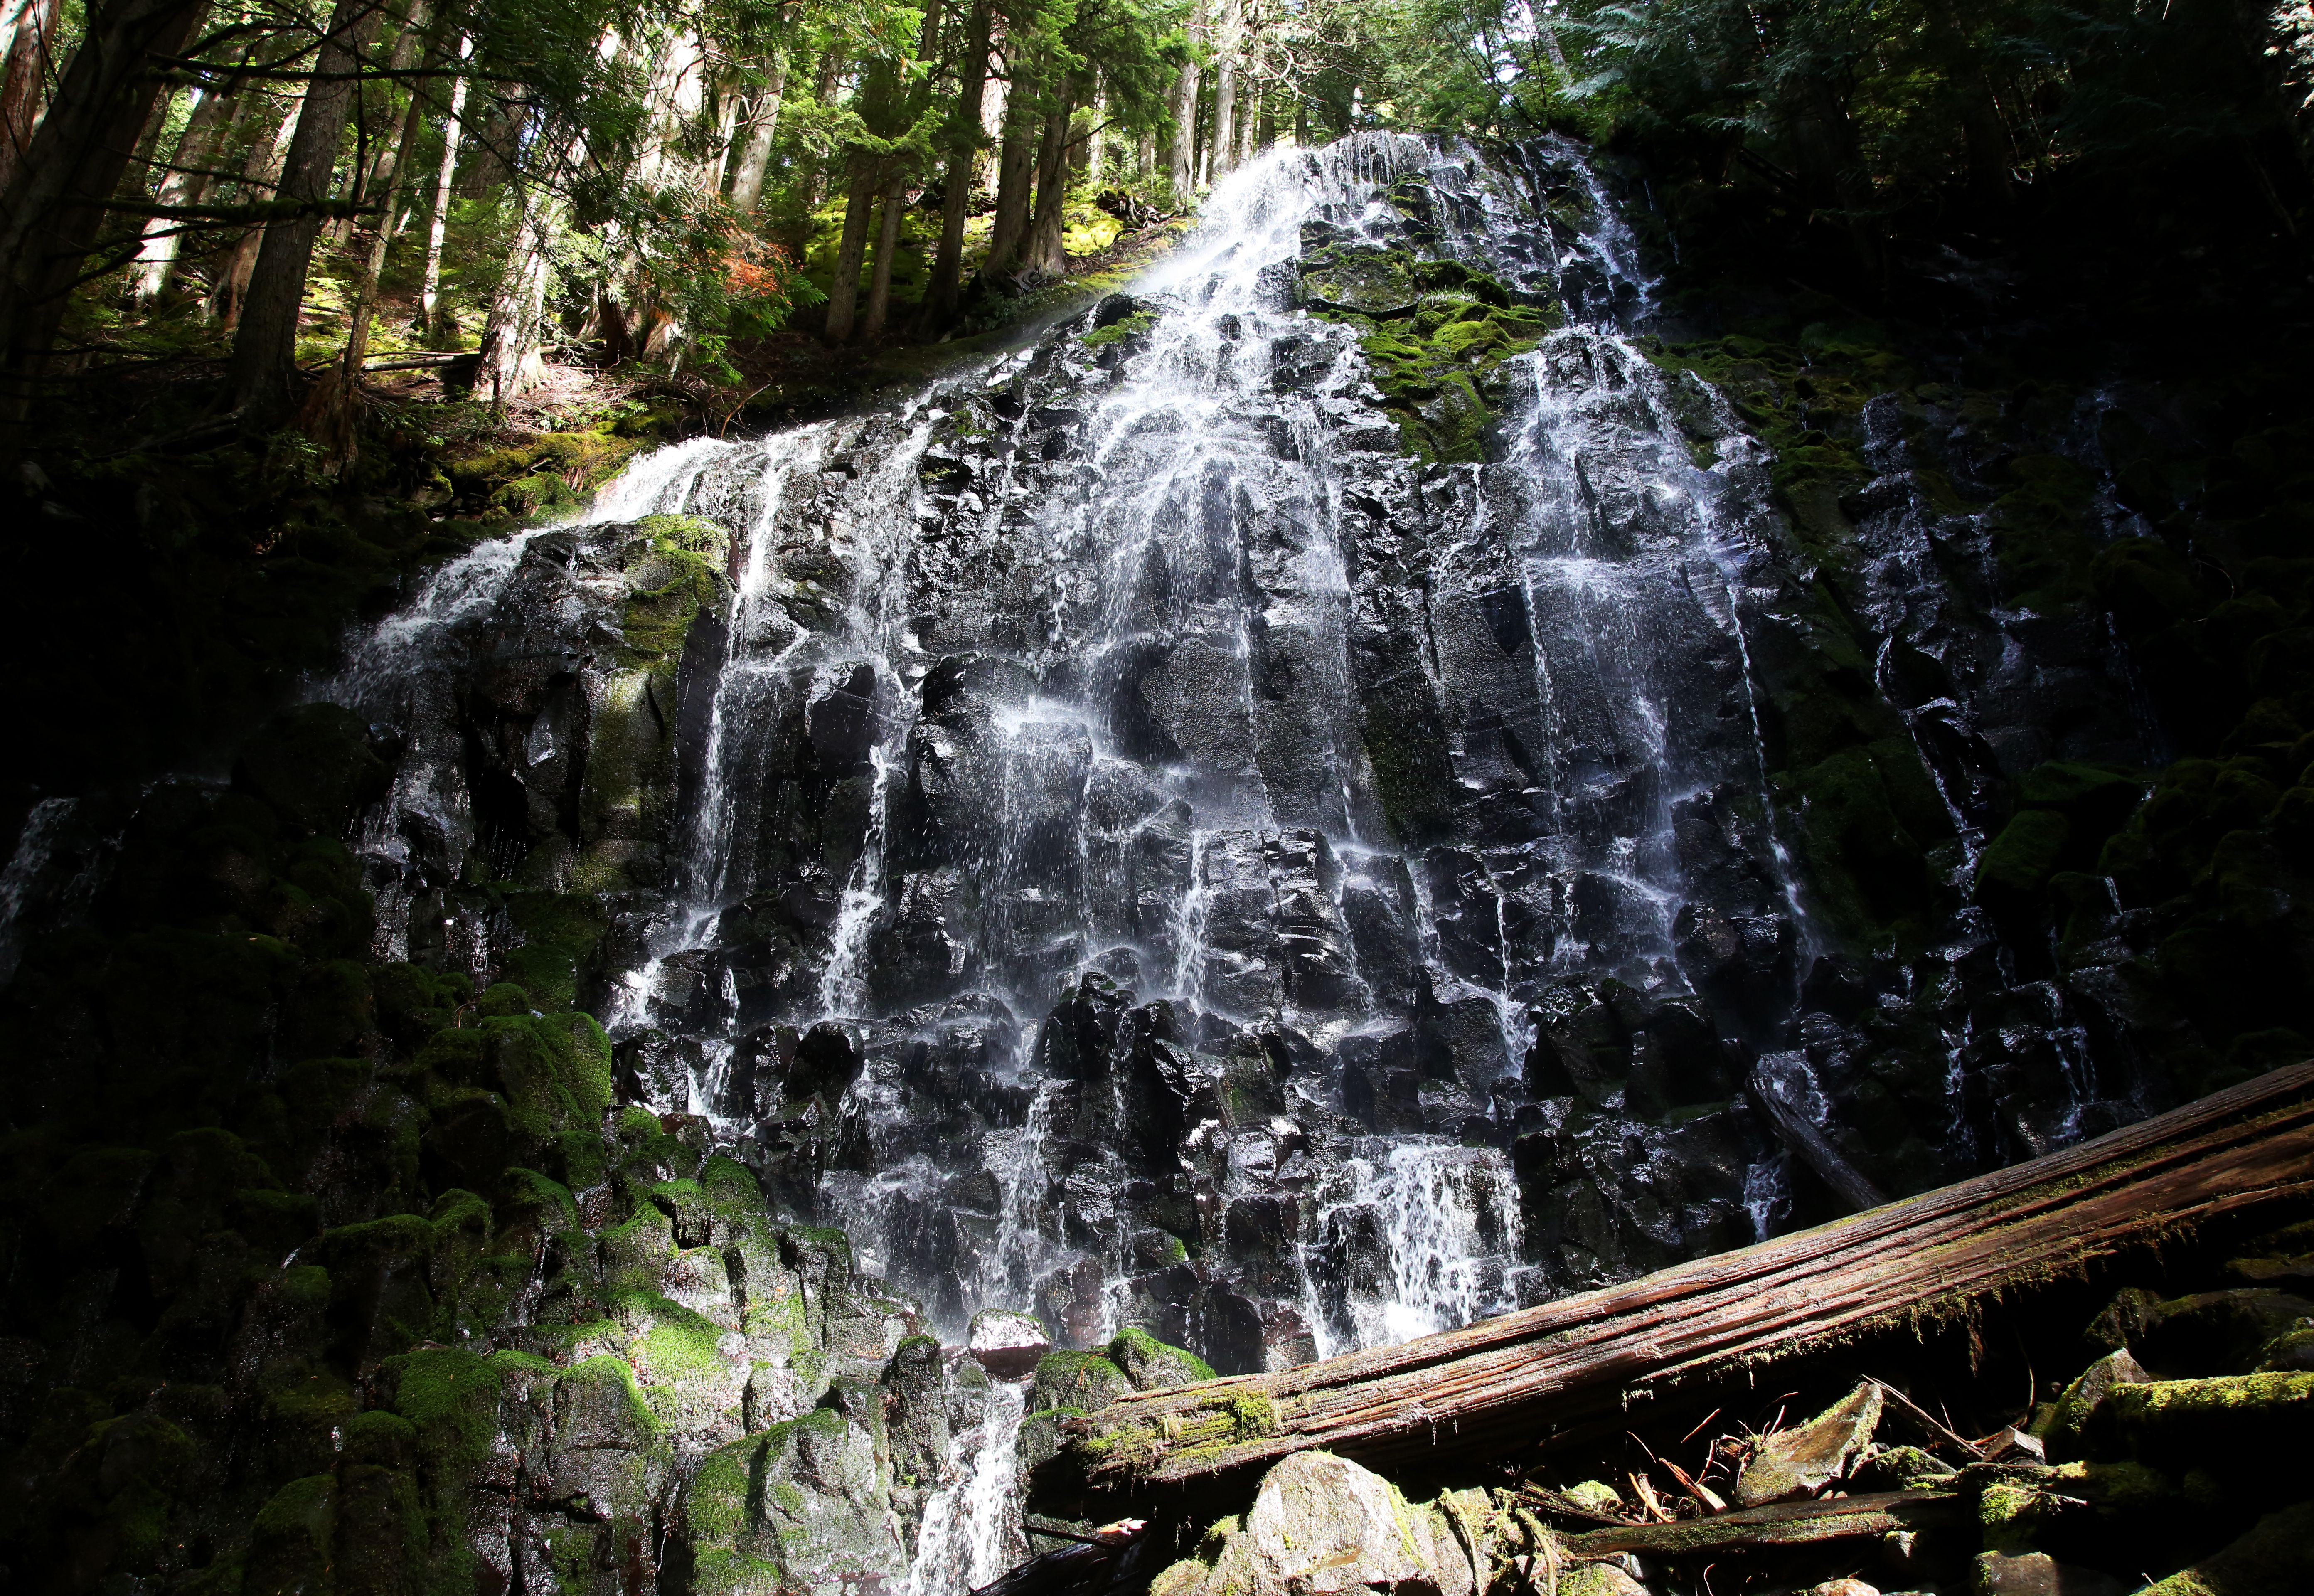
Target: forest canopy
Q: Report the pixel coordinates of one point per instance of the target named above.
(302, 192)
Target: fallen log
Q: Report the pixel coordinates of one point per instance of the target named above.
(1501, 1383)
(1070, 1567)
(1787, 1523)
(1775, 1091)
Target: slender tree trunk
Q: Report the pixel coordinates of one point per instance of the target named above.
(888, 249)
(676, 93)
(1985, 136)
(815, 181)
(851, 251)
(509, 338)
(21, 82)
(379, 171)
(1224, 157)
(756, 154)
(332, 414)
(1092, 139)
(1265, 137)
(265, 346)
(156, 256)
(429, 293)
(1182, 174)
(509, 358)
(52, 213)
(262, 175)
(955, 203)
(1045, 251)
(714, 171)
(995, 104)
(1016, 170)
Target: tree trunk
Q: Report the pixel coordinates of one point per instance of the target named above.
(332, 414)
(1016, 172)
(508, 358)
(51, 214)
(756, 154)
(964, 141)
(429, 293)
(22, 81)
(156, 256)
(378, 172)
(831, 68)
(843, 284)
(1224, 157)
(1044, 250)
(887, 247)
(264, 370)
(1777, 1095)
(262, 171)
(1181, 153)
(1983, 136)
(1682, 1332)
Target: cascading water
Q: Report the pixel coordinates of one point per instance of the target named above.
(1129, 843)
(1141, 671)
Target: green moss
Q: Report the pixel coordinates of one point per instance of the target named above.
(450, 1397)
(1214, 1424)
(1435, 334)
(1080, 1381)
(1151, 1364)
(2023, 856)
(675, 573)
(1120, 331)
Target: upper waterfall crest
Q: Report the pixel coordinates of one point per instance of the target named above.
(1249, 817)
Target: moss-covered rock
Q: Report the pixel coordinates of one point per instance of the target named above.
(1150, 1364)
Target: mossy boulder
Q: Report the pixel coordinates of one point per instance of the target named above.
(1322, 1523)
(1081, 1381)
(802, 1503)
(1150, 1365)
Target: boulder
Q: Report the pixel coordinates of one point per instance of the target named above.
(2036, 1574)
(2080, 1398)
(1008, 1344)
(1323, 1526)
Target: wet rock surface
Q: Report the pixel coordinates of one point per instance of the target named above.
(1277, 819)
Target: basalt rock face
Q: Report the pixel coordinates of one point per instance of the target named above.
(1277, 818)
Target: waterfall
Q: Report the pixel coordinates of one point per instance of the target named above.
(1139, 671)
(972, 1522)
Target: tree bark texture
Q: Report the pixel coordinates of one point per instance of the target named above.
(1226, 65)
(851, 249)
(1181, 153)
(1044, 250)
(1016, 170)
(887, 247)
(261, 170)
(947, 265)
(265, 346)
(429, 296)
(196, 150)
(28, 63)
(1500, 1383)
(763, 132)
(51, 214)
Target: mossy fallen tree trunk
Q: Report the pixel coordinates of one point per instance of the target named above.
(1505, 1382)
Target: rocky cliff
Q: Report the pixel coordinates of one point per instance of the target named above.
(1277, 817)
